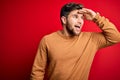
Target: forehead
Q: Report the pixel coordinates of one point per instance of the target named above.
(75, 12)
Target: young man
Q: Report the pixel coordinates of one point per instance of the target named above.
(68, 54)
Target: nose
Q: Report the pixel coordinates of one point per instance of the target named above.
(80, 20)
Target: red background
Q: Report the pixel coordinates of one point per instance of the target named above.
(24, 22)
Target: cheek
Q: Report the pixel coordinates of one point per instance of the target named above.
(74, 20)
(82, 22)
(71, 22)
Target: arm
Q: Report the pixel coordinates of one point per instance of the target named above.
(109, 35)
(39, 65)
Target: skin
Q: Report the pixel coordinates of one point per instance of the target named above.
(73, 24)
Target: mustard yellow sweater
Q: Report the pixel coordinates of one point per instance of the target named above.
(70, 58)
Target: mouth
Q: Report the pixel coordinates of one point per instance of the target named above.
(77, 26)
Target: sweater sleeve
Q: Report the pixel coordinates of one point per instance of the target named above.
(39, 65)
(109, 35)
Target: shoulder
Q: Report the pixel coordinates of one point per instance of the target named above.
(87, 33)
(50, 36)
(93, 35)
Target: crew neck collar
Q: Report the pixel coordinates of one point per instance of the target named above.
(67, 37)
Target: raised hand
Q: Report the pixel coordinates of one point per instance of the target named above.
(88, 13)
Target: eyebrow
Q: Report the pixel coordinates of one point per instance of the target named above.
(78, 12)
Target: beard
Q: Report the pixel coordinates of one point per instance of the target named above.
(71, 30)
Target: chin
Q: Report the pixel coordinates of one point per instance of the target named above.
(77, 34)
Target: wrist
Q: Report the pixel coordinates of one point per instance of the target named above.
(96, 17)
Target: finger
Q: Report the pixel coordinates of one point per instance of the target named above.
(85, 10)
(82, 11)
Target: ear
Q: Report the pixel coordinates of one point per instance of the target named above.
(63, 19)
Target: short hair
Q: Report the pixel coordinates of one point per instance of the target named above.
(67, 8)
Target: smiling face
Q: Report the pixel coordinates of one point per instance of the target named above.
(73, 23)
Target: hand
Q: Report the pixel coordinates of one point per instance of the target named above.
(88, 13)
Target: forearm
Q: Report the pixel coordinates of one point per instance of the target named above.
(38, 69)
(37, 72)
(110, 32)
(39, 66)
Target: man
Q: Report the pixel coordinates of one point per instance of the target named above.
(68, 54)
